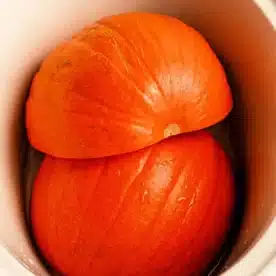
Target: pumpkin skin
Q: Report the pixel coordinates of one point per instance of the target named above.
(137, 76)
(162, 210)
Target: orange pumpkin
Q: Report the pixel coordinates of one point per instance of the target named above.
(162, 210)
(126, 82)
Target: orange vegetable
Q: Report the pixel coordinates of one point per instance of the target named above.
(126, 82)
(162, 210)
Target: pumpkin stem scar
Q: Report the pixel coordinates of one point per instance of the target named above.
(171, 129)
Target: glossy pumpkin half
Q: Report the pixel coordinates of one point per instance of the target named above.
(123, 83)
(162, 210)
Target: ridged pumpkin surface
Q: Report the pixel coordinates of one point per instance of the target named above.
(125, 82)
(163, 210)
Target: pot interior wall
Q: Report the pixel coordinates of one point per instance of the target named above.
(233, 30)
(244, 40)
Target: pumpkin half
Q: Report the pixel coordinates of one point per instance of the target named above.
(123, 83)
(162, 210)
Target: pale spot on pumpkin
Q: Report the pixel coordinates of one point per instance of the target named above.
(171, 130)
(153, 89)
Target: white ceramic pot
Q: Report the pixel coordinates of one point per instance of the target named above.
(242, 33)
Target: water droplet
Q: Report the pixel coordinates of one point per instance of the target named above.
(180, 199)
(119, 172)
(192, 200)
(145, 195)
